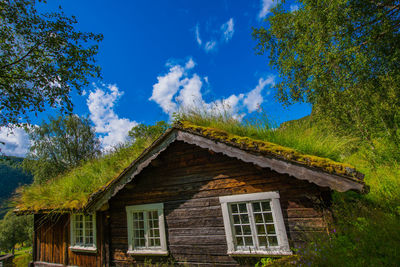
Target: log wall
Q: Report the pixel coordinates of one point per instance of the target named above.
(52, 241)
(189, 181)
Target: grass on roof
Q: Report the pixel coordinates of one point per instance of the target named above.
(72, 190)
(303, 135)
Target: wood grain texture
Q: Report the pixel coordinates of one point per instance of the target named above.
(52, 241)
(189, 181)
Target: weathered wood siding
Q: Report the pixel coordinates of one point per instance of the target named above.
(52, 241)
(189, 180)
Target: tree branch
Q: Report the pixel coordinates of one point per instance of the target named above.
(22, 58)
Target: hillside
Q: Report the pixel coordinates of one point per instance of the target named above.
(11, 177)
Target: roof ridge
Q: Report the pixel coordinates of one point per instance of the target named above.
(267, 148)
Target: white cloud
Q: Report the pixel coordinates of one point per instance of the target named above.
(166, 87)
(294, 8)
(228, 30)
(210, 45)
(254, 98)
(266, 6)
(111, 129)
(190, 95)
(223, 34)
(197, 33)
(180, 90)
(16, 142)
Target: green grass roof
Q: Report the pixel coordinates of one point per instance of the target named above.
(72, 190)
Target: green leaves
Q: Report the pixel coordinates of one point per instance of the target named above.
(60, 145)
(42, 59)
(339, 56)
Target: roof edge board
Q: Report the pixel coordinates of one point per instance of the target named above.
(302, 172)
(135, 168)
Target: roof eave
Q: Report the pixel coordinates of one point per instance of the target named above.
(299, 171)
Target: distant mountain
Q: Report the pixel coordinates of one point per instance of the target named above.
(11, 177)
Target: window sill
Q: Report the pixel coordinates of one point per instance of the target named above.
(271, 253)
(148, 252)
(83, 249)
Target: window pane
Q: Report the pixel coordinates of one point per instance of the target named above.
(157, 233)
(258, 218)
(268, 217)
(271, 229)
(266, 206)
(238, 230)
(248, 240)
(273, 241)
(263, 225)
(242, 208)
(236, 219)
(262, 240)
(260, 229)
(244, 218)
(234, 208)
(246, 230)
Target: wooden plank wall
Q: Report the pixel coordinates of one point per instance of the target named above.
(53, 241)
(189, 180)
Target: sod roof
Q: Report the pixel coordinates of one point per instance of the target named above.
(87, 196)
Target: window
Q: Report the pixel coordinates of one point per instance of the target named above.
(146, 231)
(83, 232)
(254, 224)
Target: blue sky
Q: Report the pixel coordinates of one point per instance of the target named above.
(161, 56)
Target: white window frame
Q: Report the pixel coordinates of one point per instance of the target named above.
(74, 247)
(162, 250)
(283, 244)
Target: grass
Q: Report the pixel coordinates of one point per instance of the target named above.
(22, 257)
(300, 136)
(71, 190)
(365, 229)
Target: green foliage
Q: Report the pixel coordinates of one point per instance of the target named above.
(365, 226)
(60, 145)
(341, 56)
(42, 59)
(15, 229)
(148, 131)
(23, 257)
(304, 137)
(11, 177)
(71, 190)
(264, 262)
(363, 235)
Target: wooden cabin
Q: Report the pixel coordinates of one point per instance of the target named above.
(197, 196)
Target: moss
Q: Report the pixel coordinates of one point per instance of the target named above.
(73, 190)
(270, 149)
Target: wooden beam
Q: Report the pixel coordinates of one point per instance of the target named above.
(298, 171)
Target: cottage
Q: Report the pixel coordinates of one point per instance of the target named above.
(196, 196)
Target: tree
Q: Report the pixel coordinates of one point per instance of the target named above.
(15, 230)
(59, 146)
(148, 132)
(342, 56)
(42, 59)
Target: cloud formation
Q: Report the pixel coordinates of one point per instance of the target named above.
(197, 33)
(178, 89)
(111, 129)
(254, 98)
(266, 6)
(223, 34)
(16, 142)
(228, 29)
